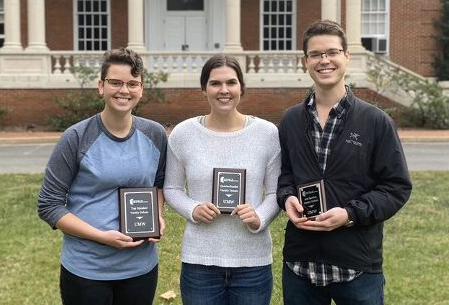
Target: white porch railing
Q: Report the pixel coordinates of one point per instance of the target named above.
(185, 62)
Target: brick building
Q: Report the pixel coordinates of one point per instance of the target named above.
(41, 39)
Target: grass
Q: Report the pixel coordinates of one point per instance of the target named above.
(416, 247)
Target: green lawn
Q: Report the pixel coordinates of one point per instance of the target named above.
(416, 246)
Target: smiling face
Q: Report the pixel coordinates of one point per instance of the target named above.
(327, 72)
(119, 100)
(223, 90)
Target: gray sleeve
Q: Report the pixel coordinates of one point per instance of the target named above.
(156, 133)
(61, 169)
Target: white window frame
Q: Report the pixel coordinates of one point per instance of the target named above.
(76, 27)
(377, 36)
(2, 14)
(261, 30)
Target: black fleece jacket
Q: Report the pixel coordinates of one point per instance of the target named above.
(366, 173)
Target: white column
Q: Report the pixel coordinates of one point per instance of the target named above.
(36, 26)
(135, 25)
(329, 9)
(12, 27)
(232, 37)
(354, 24)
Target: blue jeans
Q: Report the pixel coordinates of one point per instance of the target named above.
(213, 285)
(366, 289)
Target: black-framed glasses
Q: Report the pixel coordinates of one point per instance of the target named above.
(331, 53)
(133, 85)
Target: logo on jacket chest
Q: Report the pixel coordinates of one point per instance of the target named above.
(354, 139)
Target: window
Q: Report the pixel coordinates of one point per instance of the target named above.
(2, 23)
(375, 25)
(185, 5)
(91, 25)
(278, 25)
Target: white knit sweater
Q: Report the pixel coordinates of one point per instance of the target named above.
(193, 151)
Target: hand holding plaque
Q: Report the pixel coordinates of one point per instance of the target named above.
(313, 199)
(139, 215)
(229, 186)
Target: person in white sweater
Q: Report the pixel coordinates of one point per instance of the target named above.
(226, 258)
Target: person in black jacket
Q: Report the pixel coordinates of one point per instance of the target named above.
(351, 149)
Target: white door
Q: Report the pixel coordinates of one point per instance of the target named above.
(185, 33)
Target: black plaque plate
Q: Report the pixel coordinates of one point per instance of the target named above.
(139, 215)
(313, 199)
(229, 186)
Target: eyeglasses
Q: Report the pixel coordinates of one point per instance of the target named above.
(331, 53)
(133, 85)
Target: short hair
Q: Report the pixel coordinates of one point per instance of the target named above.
(122, 56)
(323, 27)
(218, 61)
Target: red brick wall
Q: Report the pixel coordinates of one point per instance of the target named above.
(34, 107)
(119, 23)
(411, 31)
(250, 27)
(307, 12)
(59, 24)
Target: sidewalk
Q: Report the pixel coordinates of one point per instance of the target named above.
(38, 137)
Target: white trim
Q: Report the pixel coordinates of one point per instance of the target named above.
(293, 25)
(75, 25)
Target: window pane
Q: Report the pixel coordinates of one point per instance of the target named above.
(273, 33)
(281, 19)
(274, 6)
(289, 45)
(89, 45)
(266, 32)
(88, 6)
(81, 45)
(266, 20)
(96, 6)
(289, 6)
(185, 5)
(96, 45)
(273, 45)
(80, 20)
(80, 6)
(289, 33)
(96, 20)
(382, 5)
(281, 45)
(104, 20)
(88, 20)
(365, 5)
(266, 6)
(96, 33)
(265, 45)
(1, 42)
(281, 6)
(104, 33)
(289, 19)
(281, 32)
(81, 33)
(104, 45)
(274, 19)
(104, 7)
(374, 5)
(88, 33)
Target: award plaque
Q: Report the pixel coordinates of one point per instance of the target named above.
(139, 215)
(313, 199)
(229, 185)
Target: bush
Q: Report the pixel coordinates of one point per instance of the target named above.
(429, 107)
(85, 102)
(3, 111)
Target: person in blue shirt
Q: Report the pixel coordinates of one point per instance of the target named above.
(79, 195)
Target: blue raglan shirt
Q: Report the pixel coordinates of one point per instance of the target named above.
(83, 175)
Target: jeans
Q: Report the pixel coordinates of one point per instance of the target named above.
(215, 285)
(137, 290)
(366, 289)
